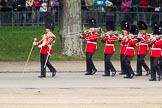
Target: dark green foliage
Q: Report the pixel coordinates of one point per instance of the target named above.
(16, 43)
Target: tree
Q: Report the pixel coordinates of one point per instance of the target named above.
(71, 45)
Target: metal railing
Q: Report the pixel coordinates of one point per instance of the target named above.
(33, 18)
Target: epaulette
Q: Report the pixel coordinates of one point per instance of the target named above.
(50, 34)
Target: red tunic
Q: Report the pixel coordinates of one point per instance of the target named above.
(91, 45)
(46, 41)
(123, 46)
(109, 44)
(155, 50)
(143, 45)
(130, 51)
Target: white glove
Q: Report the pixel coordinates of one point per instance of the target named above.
(40, 46)
(34, 43)
(154, 38)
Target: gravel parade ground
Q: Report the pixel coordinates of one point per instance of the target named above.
(70, 88)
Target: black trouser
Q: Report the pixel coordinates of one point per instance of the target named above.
(160, 64)
(127, 64)
(108, 64)
(43, 58)
(122, 59)
(140, 63)
(89, 63)
(154, 67)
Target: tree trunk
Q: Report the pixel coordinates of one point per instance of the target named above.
(71, 45)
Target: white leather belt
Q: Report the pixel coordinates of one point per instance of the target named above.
(129, 48)
(109, 44)
(143, 44)
(91, 42)
(155, 48)
(123, 45)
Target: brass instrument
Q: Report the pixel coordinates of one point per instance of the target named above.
(102, 34)
(106, 34)
(85, 31)
(124, 34)
(120, 36)
(150, 37)
(90, 30)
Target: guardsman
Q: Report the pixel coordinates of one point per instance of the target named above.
(109, 40)
(93, 23)
(160, 59)
(130, 52)
(142, 48)
(91, 37)
(155, 53)
(125, 33)
(91, 46)
(45, 45)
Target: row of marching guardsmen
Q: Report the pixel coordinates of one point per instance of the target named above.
(129, 38)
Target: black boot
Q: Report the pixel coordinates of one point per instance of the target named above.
(53, 73)
(148, 72)
(106, 75)
(88, 73)
(138, 74)
(113, 73)
(131, 76)
(159, 77)
(152, 79)
(127, 76)
(94, 71)
(122, 73)
(42, 76)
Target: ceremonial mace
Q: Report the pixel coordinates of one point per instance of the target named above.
(35, 39)
(50, 47)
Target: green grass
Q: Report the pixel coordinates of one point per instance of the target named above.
(16, 43)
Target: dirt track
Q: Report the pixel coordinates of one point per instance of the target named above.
(70, 89)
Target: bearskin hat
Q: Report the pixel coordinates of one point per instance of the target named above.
(160, 23)
(110, 25)
(49, 23)
(154, 25)
(134, 29)
(93, 23)
(157, 30)
(160, 30)
(124, 25)
(142, 25)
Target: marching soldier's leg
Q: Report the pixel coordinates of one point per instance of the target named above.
(123, 70)
(139, 66)
(87, 66)
(125, 67)
(92, 66)
(121, 64)
(153, 69)
(110, 65)
(159, 73)
(51, 68)
(88, 61)
(145, 65)
(42, 61)
(130, 73)
(157, 68)
(160, 65)
(107, 70)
